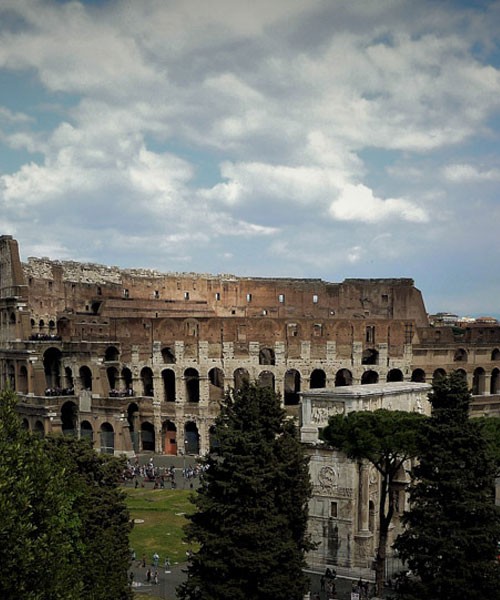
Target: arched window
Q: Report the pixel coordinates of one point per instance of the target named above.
(22, 380)
(267, 357)
(147, 382)
(86, 432)
(478, 382)
(266, 379)
(85, 378)
(112, 373)
(418, 376)
(168, 356)
(369, 357)
(495, 355)
(52, 367)
(438, 374)
(168, 377)
(241, 377)
(69, 414)
(369, 377)
(111, 354)
(460, 355)
(216, 386)
(107, 436)
(317, 379)
(192, 382)
(191, 438)
(395, 375)
(292, 387)
(495, 382)
(127, 381)
(343, 377)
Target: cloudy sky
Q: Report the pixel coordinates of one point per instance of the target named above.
(302, 138)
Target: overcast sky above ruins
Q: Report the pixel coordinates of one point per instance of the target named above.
(303, 138)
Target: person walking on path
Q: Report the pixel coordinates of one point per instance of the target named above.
(167, 565)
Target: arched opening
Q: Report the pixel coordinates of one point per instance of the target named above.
(41, 325)
(107, 436)
(291, 387)
(111, 354)
(191, 438)
(369, 357)
(343, 377)
(266, 379)
(22, 380)
(460, 355)
(495, 355)
(52, 326)
(86, 432)
(69, 417)
(39, 429)
(168, 356)
(69, 390)
(147, 382)
(148, 437)
(169, 432)
(394, 375)
(478, 382)
(317, 379)
(418, 376)
(52, 368)
(112, 374)
(11, 376)
(369, 377)
(133, 425)
(127, 381)
(216, 384)
(241, 378)
(495, 382)
(438, 374)
(12, 319)
(25, 424)
(168, 377)
(192, 382)
(267, 357)
(462, 373)
(85, 378)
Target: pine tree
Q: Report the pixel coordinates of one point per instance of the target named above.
(453, 525)
(251, 518)
(386, 439)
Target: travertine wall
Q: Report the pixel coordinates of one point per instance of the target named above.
(156, 351)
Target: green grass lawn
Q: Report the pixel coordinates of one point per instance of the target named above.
(162, 530)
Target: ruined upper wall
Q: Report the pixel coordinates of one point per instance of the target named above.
(12, 280)
(70, 286)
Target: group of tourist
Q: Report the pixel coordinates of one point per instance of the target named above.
(151, 574)
(57, 391)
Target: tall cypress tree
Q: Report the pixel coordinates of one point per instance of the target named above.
(453, 525)
(251, 518)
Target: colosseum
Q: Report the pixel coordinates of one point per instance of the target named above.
(138, 360)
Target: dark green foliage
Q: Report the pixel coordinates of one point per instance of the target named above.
(251, 515)
(453, 525)
(63, 523)
(386, 439)
(103, 549)
(37, 524)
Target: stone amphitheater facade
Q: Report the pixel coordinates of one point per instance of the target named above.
(138, 360)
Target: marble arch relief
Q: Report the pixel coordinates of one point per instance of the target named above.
(322, 411)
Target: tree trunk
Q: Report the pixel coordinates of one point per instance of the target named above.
(383, 533)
